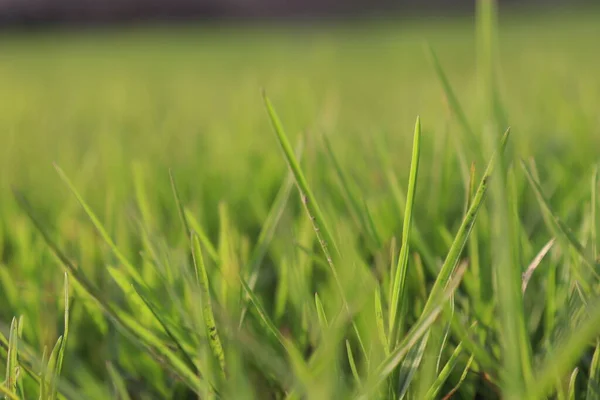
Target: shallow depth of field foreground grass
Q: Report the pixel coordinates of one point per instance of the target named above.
(401, 209)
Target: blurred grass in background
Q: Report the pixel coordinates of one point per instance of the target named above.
(116, 109)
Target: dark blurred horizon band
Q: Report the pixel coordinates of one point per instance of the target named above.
(33, 13)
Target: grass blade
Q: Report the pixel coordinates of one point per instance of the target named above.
(464, 230)
(535, 262)
(396, 317)
(353, 364)
(207, 311)
(573, 384)
(380, 322)
(461, 380)
(321, 314)
(12, 363)
(434, 391)
(98, 225)
(593, 386)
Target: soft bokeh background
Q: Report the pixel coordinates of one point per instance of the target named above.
(118, 92)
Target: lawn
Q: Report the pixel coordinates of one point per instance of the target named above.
(302, 211)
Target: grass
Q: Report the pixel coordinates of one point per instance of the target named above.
(198, 239)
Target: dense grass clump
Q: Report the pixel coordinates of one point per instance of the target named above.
(393, 218)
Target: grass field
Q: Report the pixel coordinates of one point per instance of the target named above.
(148, 187)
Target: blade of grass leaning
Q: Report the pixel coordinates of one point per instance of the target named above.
(451, 97)
(535, 263)
(207, 311)
(412, 338)
(380, 322)
(51, 374)
(354, 202)
(268, 231)
(129, 325)
(434, 390)
(462, 235)
(43, 386)
(353, 368)
(398, 295)
(119, 385)
(573, 385)
(12, 363)
(179, 205)
(314, 212)
(63, 344)
(562, 228)
(567, 354)
(593, 386)
(100, 228)
(204, 240)
(463, 376)
(7, 393)
(321, 314)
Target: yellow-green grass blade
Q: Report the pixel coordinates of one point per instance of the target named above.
(380, 321)
(207, 311)
(7, 393)
(593, 386)
(204, 240)
(562, 228)
(449, 92)
(363, 220)
(463, 377)
(353, 367)
(566, 354)
(464, 230)
(12, 363)
(434, 390)
(573, 385)
(321, 229)
(43, 386)
(321, 314)
(179, 204)
(120, 387)
(398, 295)
(51, 374)
(128, 324)
(418, 332)
(100, 228)
(63, 343)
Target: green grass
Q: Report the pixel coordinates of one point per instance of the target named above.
(244, 212)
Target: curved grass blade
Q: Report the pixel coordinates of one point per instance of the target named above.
(43, 390)
(321, 314)
(380, 322)
(398, 295)
(118, 383)
(138, 334)
(98, 225)
(354, 202)
(452, 99)
(207, 311)
(206, 243)
(434, 390)
(562, 228)
(12, 363)
(535, 262)
(593, 386)
(51, 374)
(573, 385)
(179, 205)
(352, 364)
(417, 334)
(565, 356)
(464, 230)
(7, 393)
(63, 344)
(314, 212)
(461, 380)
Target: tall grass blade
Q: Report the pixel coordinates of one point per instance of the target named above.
(100, 228)
(593, 386)
(398, 298)
(573, 385)
(12, 363)
(562, 228)
(207, 311)
(463, 376)
(353, 364)
(433, 392)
